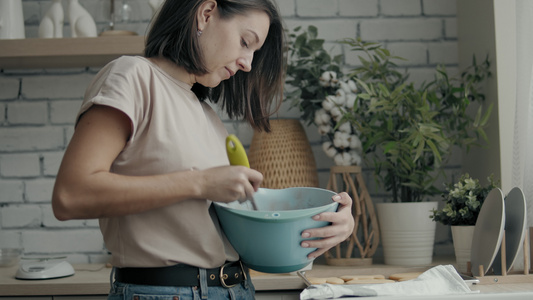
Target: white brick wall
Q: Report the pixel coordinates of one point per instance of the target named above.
(358, 8)
(38, 108)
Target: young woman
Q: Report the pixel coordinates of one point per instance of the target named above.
(148, 154)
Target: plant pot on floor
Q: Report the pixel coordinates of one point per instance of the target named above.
(462, 243)
(407, 232)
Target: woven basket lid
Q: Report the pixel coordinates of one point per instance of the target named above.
(284, 156)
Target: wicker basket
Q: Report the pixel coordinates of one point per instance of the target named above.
(284, 156)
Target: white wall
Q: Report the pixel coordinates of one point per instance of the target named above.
(37, 109)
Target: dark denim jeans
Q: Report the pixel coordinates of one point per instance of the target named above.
(122, 291)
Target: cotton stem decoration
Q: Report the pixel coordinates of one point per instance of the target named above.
(343, 144)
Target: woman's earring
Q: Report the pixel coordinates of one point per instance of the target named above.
(199, 33)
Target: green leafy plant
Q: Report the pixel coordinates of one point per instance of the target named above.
(410, 131)
(308, 61)
(463, 201)
(317, 87)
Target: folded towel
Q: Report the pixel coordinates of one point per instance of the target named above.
(439, 280)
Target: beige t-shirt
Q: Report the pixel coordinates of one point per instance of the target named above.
(171, 131)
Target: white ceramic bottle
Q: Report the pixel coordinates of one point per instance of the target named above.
(81, 22)
(51, 25)
(11, 20)
(155, 4)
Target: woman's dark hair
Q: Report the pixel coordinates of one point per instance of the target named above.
(247, 95)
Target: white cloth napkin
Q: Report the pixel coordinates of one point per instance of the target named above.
(439, 280)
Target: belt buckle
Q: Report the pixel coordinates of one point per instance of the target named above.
(222, 279)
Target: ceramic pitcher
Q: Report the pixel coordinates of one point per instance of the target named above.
(11, 20)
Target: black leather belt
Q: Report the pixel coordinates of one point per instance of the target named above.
(228, 275)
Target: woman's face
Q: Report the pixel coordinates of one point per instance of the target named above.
(228, 46)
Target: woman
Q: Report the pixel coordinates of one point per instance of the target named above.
(148, 154)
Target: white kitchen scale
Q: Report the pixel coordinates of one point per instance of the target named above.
(44, 268)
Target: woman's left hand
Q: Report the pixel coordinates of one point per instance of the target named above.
(342, 225)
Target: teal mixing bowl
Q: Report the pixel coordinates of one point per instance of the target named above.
(268, 240)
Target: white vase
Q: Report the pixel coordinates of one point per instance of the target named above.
(462, 243)
(51, 25)
(11, 20)
(81, 22)
(155, 5)
(407, 232)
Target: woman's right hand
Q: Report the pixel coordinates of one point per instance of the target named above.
(229, 183)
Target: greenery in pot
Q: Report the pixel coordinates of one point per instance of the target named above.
(463, 201)
(410, 131)
(308, 60)
(317, 87)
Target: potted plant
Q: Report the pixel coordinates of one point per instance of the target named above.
(317, 87)
(462, 203)
(407, 135)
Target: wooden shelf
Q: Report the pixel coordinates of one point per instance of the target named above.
(67, 52)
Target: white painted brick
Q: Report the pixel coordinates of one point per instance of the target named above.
(450, 28)
(39, 190)
(11, 191)
(55, 86)
(9, 88)
(316, 8)
(19, 165)
(31, 138)
(51, 163)
(69, 132)
(333, 48)
(401, 7)
(50, 221)
(439, 7)
(420, 75)
(358, 8)
(287, 8)
(62, 241)
(401, 29)
(414, 56)
(2, 113)
(27, 113)
(331, 30)
(443, 53)
(415, 53)
(351, 58)
(27, 216)
(10, 239)
(64, 112)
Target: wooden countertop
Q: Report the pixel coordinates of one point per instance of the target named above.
(93, 279)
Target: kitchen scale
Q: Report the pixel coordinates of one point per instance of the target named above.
(44, 268)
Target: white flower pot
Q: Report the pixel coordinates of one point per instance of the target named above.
(462, 243)
(11, 19)
(407, 232)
